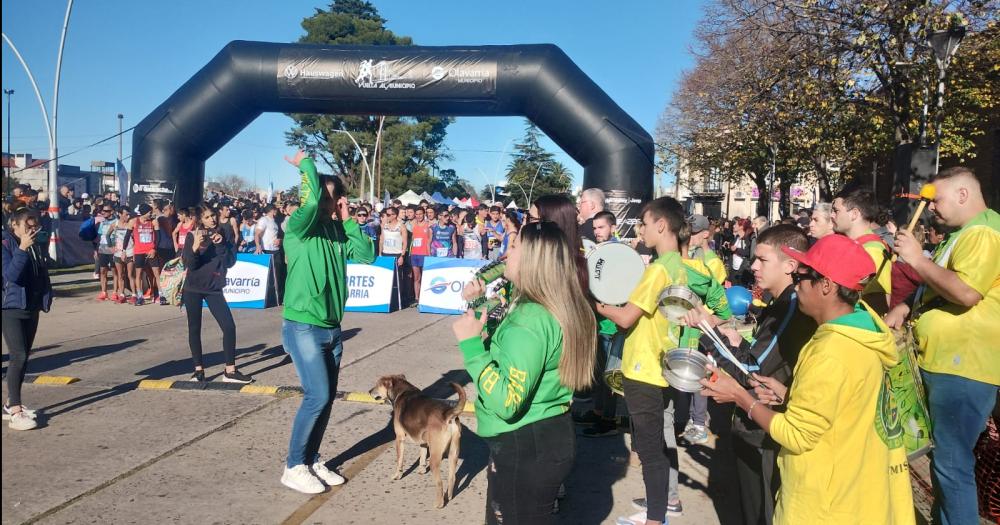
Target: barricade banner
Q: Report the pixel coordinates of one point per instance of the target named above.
(369, 286)
(248, 280)
(442, 283)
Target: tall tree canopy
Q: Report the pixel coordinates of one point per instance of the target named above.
(825, 88)
(411, 147)
(533, 171)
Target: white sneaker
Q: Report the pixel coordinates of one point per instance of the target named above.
(21, 421)
(329, 477)
(639, 518)
(299, 478)
(27, 411)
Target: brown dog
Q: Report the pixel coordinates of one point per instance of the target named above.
(428, 422)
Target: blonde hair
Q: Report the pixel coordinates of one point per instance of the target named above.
(547, 276)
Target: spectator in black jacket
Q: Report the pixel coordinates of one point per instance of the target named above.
(782, 331)
(26, 292)
(209, 251)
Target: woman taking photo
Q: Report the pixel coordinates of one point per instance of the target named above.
(208, 253)
(541, 352)
(26, 292)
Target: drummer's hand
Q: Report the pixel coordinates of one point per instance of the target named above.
(773, 394)
(721, 386)
(467, 326)
(734, 337)
(897, 316)
(695, 317)
(474, 289)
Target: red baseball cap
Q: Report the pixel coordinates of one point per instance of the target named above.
(838, 258)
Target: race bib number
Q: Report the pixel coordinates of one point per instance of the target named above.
(418, 242)
(442, 252)
(145, 237)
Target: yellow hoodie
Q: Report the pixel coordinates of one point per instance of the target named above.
(835, 460)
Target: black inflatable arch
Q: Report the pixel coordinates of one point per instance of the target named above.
(170, 146)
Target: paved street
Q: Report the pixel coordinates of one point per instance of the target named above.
(108, 451)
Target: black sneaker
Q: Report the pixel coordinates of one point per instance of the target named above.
(603, 428)
(198, 376)
(586, 418)
(163, 301)
(673, 509)
(236, 377)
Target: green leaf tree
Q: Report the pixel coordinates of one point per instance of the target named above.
(410, 148)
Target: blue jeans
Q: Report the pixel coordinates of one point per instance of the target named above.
(316, 352)
(958, 409)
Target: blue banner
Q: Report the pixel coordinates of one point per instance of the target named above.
(248, 280)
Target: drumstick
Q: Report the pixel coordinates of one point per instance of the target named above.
(707, 328)
(927, 194)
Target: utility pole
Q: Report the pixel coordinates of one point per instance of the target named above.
(10, 154)
(120, 123)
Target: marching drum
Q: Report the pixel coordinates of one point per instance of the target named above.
(908, 391)
(615, 270)
(588, 245)
(676, 301)
(684, 367)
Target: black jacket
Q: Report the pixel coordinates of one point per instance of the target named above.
(206, 270)
(773, 356)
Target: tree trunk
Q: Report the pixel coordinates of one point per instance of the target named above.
(760, 179)
(785, 200)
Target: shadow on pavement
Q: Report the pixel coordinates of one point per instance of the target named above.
(69, 405)
(48, 362)
(600, 462)
(184, 366)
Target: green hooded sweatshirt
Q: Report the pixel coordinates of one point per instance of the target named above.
(317, 249)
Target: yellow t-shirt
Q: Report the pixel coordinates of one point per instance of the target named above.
(652, 334)
(957, 340)
(883, 278)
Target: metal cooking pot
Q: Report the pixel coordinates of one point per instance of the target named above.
(675, 301)
(684, 367)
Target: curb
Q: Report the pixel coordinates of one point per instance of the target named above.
(50, 380)
(281, 391)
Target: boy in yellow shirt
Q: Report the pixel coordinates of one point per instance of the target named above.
(650, 334)
(853, 213)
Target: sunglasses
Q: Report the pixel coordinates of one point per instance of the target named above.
(798, 277)
(106, 211)
(362, 215)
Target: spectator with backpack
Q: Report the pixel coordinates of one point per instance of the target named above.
(208, 253)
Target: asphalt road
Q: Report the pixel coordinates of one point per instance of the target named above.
(110, 451)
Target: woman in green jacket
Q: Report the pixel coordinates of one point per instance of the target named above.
(320, 237)
(541, 352)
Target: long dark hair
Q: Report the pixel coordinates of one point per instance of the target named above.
(561, 210)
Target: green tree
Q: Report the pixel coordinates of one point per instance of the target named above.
(410, 148)
(535, 169)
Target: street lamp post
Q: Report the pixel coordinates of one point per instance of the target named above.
(10, 154)
(51, 129)
(944, 44)
(120, 124)
(364, 161)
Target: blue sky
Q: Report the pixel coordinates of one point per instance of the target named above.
(128, 56)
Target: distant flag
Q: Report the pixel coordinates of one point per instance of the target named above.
(123, 185)
(270, 191)
(386, 200)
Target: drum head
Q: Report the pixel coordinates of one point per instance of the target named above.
(588, 246)
(614, 269)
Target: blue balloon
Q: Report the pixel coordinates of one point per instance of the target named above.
(739, 300)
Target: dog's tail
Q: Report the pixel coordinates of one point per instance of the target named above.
(460, 406)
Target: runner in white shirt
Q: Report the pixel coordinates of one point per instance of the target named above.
(266, 232)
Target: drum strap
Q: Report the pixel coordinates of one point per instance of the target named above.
(792, 305)
(942, 261)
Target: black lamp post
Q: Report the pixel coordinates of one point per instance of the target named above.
(10, 154)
